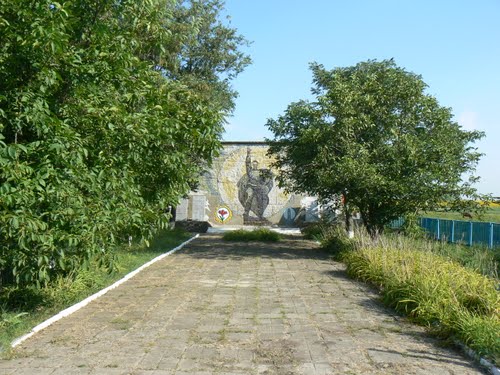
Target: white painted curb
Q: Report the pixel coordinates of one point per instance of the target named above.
(86, 301)
(484, 362)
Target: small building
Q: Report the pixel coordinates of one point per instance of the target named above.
(241, 189)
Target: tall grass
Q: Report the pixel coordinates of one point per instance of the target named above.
(23, 308)
(478, 258)
(439, 289)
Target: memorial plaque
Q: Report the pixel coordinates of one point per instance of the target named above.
(182, 210)
(199, 203)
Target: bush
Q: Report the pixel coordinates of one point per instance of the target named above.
(312, 231)
(411, 226)
(334, 239)
(261, 234)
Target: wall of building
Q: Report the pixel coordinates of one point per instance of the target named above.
(240, 189)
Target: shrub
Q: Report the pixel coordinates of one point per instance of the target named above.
(334, 239)
(261, 234)
(313, 231)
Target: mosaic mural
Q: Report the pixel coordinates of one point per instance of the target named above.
(241, 188)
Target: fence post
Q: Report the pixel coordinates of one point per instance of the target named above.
(438, 230)
(470, 233)
(453, 231)
(490, 238)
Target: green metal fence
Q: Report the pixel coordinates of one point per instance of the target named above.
(458, 231)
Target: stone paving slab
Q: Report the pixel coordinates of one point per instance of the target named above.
(233, 308)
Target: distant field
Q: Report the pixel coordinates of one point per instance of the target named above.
(492, 215)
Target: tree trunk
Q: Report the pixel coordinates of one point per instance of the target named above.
(374, 230)
(349, 225)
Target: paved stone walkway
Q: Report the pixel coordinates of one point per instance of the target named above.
(225, 308)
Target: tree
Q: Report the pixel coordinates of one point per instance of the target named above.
(374, 136)
(98, 132)
(210, 57)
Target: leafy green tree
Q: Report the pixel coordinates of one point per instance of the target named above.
(210, 57)
(374, 136)
(98, 132)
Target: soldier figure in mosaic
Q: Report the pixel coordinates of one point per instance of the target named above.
(254, 188)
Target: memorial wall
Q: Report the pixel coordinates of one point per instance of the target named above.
(240, 189)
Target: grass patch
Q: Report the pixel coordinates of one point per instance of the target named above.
(478, 258)
(260, 234)
(448, 288)
(21, 309)
(492, 215)
(434, 291)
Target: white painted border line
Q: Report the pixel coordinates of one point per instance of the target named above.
(494, 370)
(86, 301)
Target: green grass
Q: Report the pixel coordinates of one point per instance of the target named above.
(434, 291)
(492, 215)
(444, 291)
(478, 258)
(313, 231)
(21, 309)
(260, 234)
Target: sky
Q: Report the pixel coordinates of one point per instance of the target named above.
(453, 44)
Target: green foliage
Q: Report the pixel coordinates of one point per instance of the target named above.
(313, 231)
(434, 291)
(334, 239)
(411, 226)
(23, 307)
(210, 57)
(260, 234)
(477, 258)
(375, 137)
(480, 333)
(99, 130)
(7, 320)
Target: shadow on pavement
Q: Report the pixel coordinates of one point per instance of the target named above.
(212, 246)
(425, 355)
